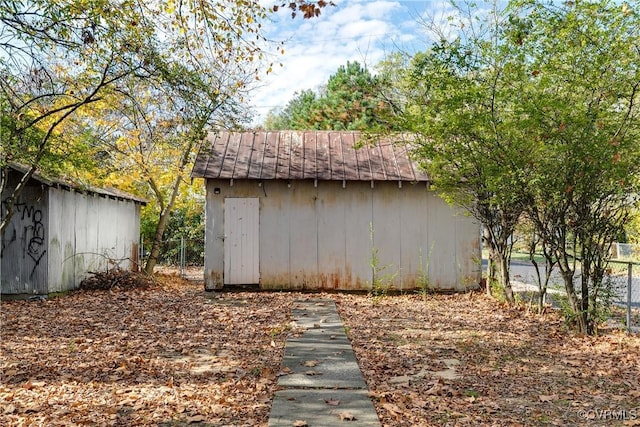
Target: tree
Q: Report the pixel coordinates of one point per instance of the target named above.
(297, 115)
(584, 62)
(461, 99)
(39, 89)
(632, 230)
(528, 114)
(351, 100)
(153, 138)
(60, 57)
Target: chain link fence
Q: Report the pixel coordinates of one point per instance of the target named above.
(625, 251)
(624, 280)
(185, 255)
(623, 275)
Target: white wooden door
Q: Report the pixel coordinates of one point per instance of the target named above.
(241, 243)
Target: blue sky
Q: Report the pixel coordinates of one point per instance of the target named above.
(353, 30)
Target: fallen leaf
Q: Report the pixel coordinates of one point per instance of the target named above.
(392, 407)
(332, 402)
(311, 363)
(173, 330)
(435, 388)
(312, 373)
(300, 423)
(346, 416)
(284, 371)
(196, 419)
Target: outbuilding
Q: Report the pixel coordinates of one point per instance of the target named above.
(331, 211)
(59, 233)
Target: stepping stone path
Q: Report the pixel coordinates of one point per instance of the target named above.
(321, 383)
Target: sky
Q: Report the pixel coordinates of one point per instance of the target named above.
(354, 30)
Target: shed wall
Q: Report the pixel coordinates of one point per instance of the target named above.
(323, 237)
(24, 253)
(89, 233)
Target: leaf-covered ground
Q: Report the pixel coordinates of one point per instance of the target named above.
(164, 356)
(467, 360)
(172, 355)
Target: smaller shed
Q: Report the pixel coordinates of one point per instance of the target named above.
(59, 233)
(328, 210)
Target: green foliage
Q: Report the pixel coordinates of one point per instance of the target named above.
(525, 113)
(381, 278)
(461, 99)
(158, 72)
(351, 100)
(632, 228)
(583, 109)
(130, 85)
(299, 114)
(424, 280)
(185, 221)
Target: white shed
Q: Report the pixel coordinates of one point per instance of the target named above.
(311, 210)
(59, 233)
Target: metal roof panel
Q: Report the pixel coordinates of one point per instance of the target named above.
(322, 155)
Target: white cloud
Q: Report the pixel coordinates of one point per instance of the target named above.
(363, 31)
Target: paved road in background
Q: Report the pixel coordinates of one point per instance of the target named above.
(525, 273)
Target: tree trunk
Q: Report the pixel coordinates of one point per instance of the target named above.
(491, 274)
(505, 280)
(491, 261)
(166, 209)
(574, 303)
(586, 325)
(162, 225)
(541, 299)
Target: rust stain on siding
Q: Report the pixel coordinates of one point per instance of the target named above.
(213, 280)
(321, 282)
(337, 281)
(135, 250)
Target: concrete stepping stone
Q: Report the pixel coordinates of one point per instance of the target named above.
(321, 383)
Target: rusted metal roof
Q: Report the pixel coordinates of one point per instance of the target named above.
(68, 186)
(322, 155)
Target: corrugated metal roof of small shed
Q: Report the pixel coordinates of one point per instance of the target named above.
(323, 155)
(59, 183)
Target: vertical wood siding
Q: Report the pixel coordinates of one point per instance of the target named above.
(89, 233)
(241, 256)
(24, 254)
(61, 236)
(319, 237)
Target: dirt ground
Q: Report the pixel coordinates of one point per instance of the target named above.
(174, 355)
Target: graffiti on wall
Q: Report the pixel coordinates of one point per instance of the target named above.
(29, 232)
